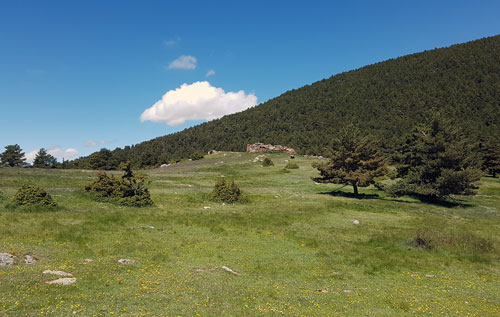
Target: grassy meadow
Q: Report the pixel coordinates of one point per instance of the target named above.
(294, 244)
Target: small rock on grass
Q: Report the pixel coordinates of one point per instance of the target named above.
(6, 259)
(88, 260)
(206, 207)
(229, 270)
(28, 259)
(126, 261)
(60, 273)
(355, 221)
(63, 281)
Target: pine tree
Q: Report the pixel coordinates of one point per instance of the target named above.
(12, 156)
(354, 160)
(44, 159)
(436, 162)
(491, 157)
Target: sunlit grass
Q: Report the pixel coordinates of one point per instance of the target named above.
(294, 244)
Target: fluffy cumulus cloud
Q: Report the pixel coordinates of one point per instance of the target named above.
(183, 62)
(56, 151)
(210, 73)
(197, 101)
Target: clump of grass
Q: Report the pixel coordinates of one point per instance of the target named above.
(461, 242)
(31, 195)
(267, 162)
(292, 166)
(226, 192)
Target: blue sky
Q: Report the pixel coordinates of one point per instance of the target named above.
(79, 75)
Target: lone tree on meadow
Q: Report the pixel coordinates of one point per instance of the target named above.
(12, 156)
(436, 162)
(354, 160)
(44, 159)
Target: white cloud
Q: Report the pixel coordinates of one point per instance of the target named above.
(30, 157)
(183, 62)
(172, 43)
(55, 151)
(197, 101)
(210, 73)
(60, 153)
(92, 143)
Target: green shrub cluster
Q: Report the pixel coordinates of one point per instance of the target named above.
(196, 156)
(226, 192)
(31, 195)
(267, 162)
(291, 166)
(129, 190)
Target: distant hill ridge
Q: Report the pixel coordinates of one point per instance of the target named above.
(460, 83)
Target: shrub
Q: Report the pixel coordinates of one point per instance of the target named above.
(226, 192)
(31, 195)
(291, 166)
(267, 162)
(196, 156)
(129, 190)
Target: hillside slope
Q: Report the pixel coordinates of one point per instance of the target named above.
(460, 83)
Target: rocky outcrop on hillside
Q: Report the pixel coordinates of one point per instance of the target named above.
(261, 148)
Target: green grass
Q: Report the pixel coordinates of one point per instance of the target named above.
(294, 244)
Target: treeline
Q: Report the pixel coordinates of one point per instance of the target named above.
(460, 83)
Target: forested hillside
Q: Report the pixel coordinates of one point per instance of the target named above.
(460, 84)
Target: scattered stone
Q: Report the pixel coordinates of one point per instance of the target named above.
(28, 259)
(206, 207)
(189, 185)
(347, 291)
(335, 273)
(146, 227)
(164, 165)
(63, 281)
(88, 260)
(322, 290)
(126, 261)
(229, 270)
(355, 221)
(429, 276)
(6, 259)
(60, 273)
(259, 158)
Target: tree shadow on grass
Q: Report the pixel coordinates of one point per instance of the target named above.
(338, 193)
(420, 199)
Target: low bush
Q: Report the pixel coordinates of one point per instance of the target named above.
(291, 166)
(129, 190)
(226, 192)
(196, 156)
(267, 162)
(31, 195)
